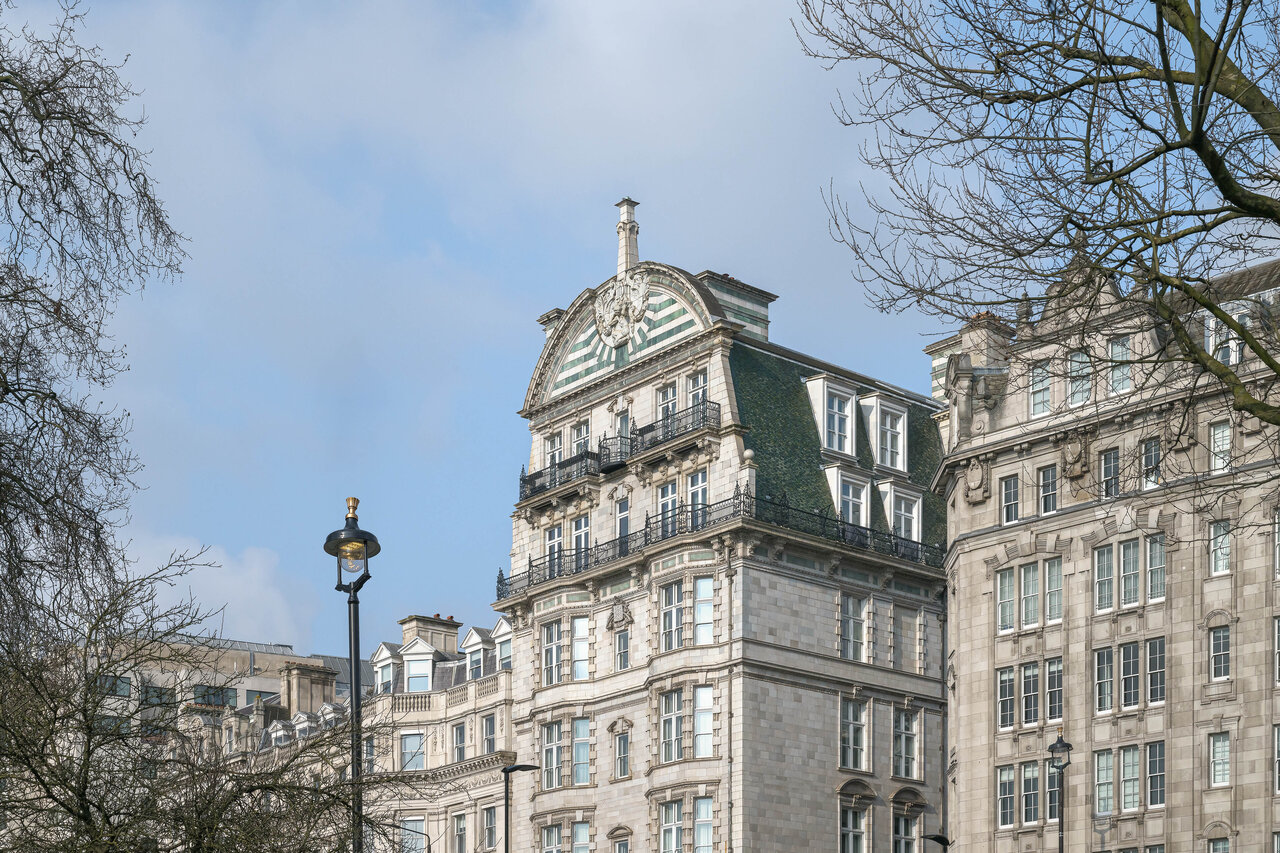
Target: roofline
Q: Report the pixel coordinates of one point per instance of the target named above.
(739, 285)
(843, 372)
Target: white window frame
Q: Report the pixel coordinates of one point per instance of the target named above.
(1030, 583)
(1130, 778)
(666, 401)
(696, 387)
(1130, 573)
(671, 725)
(406, 756)
(1219, 759)
(1120, 374)
(1157, 560)
(1219, 547)
(1109, 473)
(553, 449)
(1039, 386)
(906, 725)
(1104, 598)
(1104, 677)
(1156, 684)
(836, 433)
(1010, 489)
(552, 755)
(1219, 446)
(883, 450)
(1220, 653)
(704, 601)
(1030, 792)
(1157, 790)
(579, 648)
(853, 626)
(854, 742)
(1053, 689)
(580, 440)
(853, 501)
(416, 669)
(1047, 489)
(460, 741)
(1104, 782)
(1006, 698)
(1030, 677)
(552, 637)
(580, 754)
(1152, 459)
(671, 614)
(671, 827)
(1053, 591)
(622, 755)
(906, 512)
(1006, 601)
(1006, 796)
(1079, 378)
(703, 720)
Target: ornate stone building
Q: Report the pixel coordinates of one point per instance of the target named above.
(1112, 574)
(725, 602)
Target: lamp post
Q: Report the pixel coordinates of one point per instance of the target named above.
(353, 547)
(1060, 760)
(506, 800)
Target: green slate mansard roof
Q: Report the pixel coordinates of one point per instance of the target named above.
(768, 382)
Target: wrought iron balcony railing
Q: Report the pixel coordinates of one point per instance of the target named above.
(686, 519)
(618, 449)
(564, 471)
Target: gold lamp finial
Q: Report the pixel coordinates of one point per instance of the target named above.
(352, 503)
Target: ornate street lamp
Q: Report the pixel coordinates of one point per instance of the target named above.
(1060, 760)
(353, 547)
(506, 800)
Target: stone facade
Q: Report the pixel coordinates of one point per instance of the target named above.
(1112, 575)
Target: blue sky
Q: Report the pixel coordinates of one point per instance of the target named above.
(380, 199)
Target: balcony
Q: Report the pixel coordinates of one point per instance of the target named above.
(566, 471)
(690, 519)
(614, 452)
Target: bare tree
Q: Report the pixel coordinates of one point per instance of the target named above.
(1049, 153)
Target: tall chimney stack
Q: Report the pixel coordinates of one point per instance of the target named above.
(628, 231)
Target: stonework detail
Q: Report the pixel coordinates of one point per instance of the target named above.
(620, 305)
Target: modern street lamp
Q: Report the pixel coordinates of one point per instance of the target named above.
(353, 547)
(506, 800)
(1060, 760)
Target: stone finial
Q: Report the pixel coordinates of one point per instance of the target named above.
(628, 232)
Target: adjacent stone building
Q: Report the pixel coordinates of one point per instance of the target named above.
(1112, 575)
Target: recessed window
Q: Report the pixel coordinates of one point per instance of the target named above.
(581, 751)
(1120, 356)
(852, 734)
(475, 664)
(411, 751)
(852, 830)
(1053, 689)
(580, 647)
(551, 776)
(1151, 458)
(622, 648)
(703, 611)
(460, 742)
(1079, 379)
(1219, 547)
(904, 517)
(1103, 579)
(1048, 477)
(1053, 590)
(671, 827)
(1109, 473)
(1103, 782)
(1220, 653)
(851, 627)
(697, 388)
(851, 502)
(1130, 688)
(672, 616)
(1006, 796)
(1155, 774)
(697, 499)
(622, 755)
(1009, 500)
(554, 449)
(1005, 698)
(550, 654)
(1030, 595)
(703, 714)
(1040, 400)
(1219, 759)
(1030, 694)
(1220, 446)
(1004, 600)
(1130, 577)
(702, 826)
(905, 723)
(581, 433)
(891, 439)
(1130, 778)
(1155, 670)
(672, 725)
(417, 675)
(668, 403)
(1103, 680)
(488, 734)
(1030, 791)
(1155, 568)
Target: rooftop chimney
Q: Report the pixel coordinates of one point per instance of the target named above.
(441, 633)
(628, 231)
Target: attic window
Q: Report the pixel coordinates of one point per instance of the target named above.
(475, 664)
(417, 675)
(384, 678)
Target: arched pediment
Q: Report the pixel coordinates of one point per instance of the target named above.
(625, 319)
(858, 791)
(908, 798)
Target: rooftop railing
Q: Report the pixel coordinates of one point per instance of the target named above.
(564, 562)
(618, 449)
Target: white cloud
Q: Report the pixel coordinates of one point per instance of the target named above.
(258, 602)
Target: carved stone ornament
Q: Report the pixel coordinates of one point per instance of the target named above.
(1075, 454)
(620, 306)
(619, 615)
(977, 486)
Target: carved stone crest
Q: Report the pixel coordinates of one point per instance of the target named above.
(619, 615)
(620, 306)
(976, 486)
(1075, 454)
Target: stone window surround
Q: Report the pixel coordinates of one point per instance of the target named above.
(686, 684)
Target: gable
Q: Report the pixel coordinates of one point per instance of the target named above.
(618, 323)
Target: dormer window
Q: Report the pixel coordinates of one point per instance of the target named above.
(475, 664)
(384, 678)
(838, 423)
(504, 654)
(891, 454)
(417, 675)
(279, 737)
